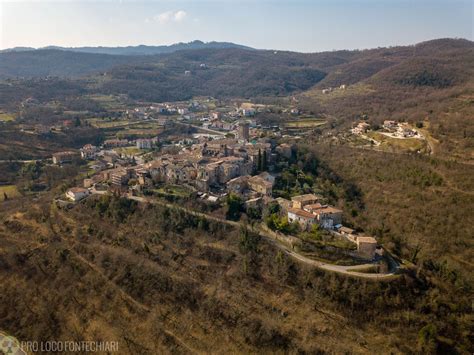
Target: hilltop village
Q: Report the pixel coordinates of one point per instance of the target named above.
(213, 167)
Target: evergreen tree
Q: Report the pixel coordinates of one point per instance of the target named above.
(259, 161)
(265, 161)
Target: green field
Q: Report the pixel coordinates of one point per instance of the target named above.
(109, 102)
(125, 124)
(305, 123)
(176, 190)
(5, 117)
(147, 125)
(138, 133)
(10, 191)
(104, 123)
(129, 151)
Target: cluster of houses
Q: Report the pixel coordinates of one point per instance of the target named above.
(187, 109)
(399, 129)
(218, 166)
(360, 128)
(331, 89)
(105, 153)
(145, 112)
(214, 169)
(307, 210)
(390, 127)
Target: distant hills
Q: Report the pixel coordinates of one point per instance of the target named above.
(136, 50)
(419, 84)
(54, 62)
(231, 70)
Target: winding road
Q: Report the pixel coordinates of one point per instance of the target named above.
(342, 269)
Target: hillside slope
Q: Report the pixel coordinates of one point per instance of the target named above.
(157, 280)
(430, 84)
(53, 62)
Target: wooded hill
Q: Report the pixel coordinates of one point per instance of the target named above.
(136, 50)
(245, 72)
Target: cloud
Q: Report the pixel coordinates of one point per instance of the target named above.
(180, 15)
(169, 16)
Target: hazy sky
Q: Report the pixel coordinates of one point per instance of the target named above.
(300, 25)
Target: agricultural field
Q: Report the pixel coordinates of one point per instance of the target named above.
(8, 191)
(109, 102)
(146, 125)
(129, 151)
(107, 123)
(138, 133)
(6, 117)
(305, 123)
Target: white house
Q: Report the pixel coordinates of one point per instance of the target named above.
(305, 219)
(77, 193)
(146, 143)
(183, 110)
(247, 112)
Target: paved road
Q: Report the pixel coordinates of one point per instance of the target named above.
(347, 270)
(22, 161)
(202, 128)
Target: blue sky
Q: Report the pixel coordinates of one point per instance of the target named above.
(298, 25)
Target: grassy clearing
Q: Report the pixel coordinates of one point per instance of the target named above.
(6, 117)
(410, 144)
(108, 101)
(129, 151)
(103, 123)
(350, 90)
(138, 133)
(305, 123)
(10, 191)
(175, 190)
(147, 125)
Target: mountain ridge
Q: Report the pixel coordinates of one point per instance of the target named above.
(137, 50)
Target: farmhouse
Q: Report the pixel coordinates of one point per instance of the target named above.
(328, 216)
(64, 157)
(260, 185)
(362, 127)
(119, 177)
(312, 208)
(303, 200)
(305, 219)
(89, 151)
(77, 193)
(389, 124)
(366, 246)
(114, 143)
(146, 143)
